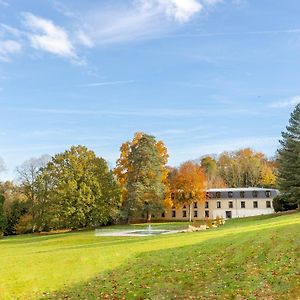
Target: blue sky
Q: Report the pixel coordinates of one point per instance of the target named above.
(202, 75)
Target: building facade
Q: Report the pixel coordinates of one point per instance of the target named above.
(226, 203)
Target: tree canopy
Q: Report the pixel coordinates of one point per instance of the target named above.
(78, 190)
(289, 162)
(188, 184)
(141, 169)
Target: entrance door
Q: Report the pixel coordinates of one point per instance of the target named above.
(228, 214)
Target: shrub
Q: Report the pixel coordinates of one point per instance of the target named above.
(280, 203)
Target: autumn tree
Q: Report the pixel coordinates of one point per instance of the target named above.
(245, 168)
(289, 162)
(79, 190)
(141, 170)
(188, 185)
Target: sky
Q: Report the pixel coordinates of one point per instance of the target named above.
(204, 76)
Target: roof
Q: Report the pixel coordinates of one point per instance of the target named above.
(248, 189)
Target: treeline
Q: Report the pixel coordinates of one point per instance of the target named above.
(76, 189)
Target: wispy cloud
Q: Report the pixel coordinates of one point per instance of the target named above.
(290, 102)
(8, 48)
(47, 36)
(104, 83)
(144, 112)
(142, 19)
(3, 3)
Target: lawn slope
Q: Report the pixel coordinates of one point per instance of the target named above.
(255, 258)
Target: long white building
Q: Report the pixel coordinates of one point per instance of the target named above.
(226, 203)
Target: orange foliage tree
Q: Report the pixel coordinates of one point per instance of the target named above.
(188, 184)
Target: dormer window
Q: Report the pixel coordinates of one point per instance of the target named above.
(230, 194)
(268, 194)
(254, 194)
(242, 194)
(218, 194)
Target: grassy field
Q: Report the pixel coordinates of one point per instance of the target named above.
(253, 258)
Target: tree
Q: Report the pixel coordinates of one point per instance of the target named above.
(213, 178)
(27, 177)
(2, 165)
(78, 190)
(142, 173)
(289, 162)
(246, 168)
(2, 215)
(188, 185)
(15, 205)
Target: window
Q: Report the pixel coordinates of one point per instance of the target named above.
(228, 214)
(255, 204)
(218, 204)
(207, 214)
(184, 213)
(243, 204)
(242, 194)
(268, 194)
(218, 194)
(173, 213)
(230, 194)
(195, 214)
(230, 204)
(255, 194)
(206, 204)
(195, 205)
(268, 204)
(163, 215)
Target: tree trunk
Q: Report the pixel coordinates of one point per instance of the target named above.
(190, 212)
(148, 217)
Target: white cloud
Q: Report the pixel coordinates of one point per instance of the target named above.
(143, 19)
(84, 39)
(7, 48)
(49, 37)
(180, 10)
(286, 102)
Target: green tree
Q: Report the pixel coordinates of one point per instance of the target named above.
(146, 176)
(289, 162)
(27, 177)
(210, 167)
(77, 190)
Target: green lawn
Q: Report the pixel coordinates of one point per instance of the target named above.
(253, 258)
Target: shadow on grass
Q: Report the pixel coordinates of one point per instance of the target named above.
(258, 264)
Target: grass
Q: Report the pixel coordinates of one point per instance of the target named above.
(252, 258)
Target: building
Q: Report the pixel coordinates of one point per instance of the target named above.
(226, 203)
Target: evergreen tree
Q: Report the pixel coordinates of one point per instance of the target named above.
(145, 186)
(289, 162)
